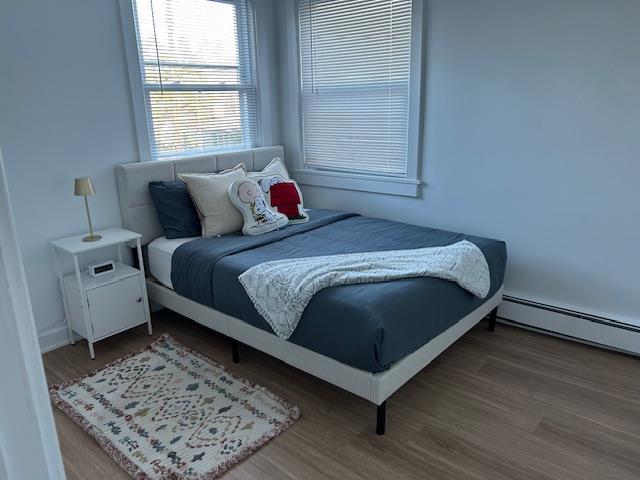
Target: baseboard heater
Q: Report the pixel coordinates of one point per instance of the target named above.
(558, 321)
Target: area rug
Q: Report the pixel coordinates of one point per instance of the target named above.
(168, 412)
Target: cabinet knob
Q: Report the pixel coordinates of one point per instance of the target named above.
(139, 299)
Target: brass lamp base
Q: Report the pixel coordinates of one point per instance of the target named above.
(91, 238)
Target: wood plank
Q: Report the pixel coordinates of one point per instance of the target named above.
(512, 404)
(594, 405)
(592, 440)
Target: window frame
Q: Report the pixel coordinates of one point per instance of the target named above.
(140, 91)
(407, 185)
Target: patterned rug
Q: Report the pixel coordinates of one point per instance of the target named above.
(167, 412)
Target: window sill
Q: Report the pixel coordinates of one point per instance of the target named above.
(352, 181)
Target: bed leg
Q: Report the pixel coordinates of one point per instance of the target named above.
(235, 350)
(492, 319)
(381, 417)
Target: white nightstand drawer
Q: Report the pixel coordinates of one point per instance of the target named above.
(116, 306)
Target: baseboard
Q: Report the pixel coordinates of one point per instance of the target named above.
(598, 330)
(53, 337)
(58, 336)
(612, 333)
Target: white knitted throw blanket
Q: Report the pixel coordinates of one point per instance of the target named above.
(282, 289)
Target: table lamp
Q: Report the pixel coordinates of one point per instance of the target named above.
(83, 187)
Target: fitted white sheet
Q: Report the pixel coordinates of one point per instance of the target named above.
(159, 253)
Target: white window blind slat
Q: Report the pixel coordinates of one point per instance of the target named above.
(354, 61)
(197, 60)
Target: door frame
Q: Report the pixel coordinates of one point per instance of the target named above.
(29, 446)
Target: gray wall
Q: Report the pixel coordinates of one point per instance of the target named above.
(65, 111)
(532, 135)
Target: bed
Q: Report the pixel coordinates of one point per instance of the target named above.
(368, 339)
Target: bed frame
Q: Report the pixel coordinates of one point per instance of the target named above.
(138, 214)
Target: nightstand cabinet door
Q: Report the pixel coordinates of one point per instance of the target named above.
(116, 306)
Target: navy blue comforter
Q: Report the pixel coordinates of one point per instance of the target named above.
(367, 326)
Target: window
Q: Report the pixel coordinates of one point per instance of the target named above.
(198, 75)
(355, 63)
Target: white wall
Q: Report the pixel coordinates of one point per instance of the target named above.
(532, 135)
(65, 111)
(28, 441)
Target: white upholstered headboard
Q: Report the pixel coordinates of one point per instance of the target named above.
(138, 212)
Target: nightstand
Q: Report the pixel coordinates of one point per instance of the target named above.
(101, 306)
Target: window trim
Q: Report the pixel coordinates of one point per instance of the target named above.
(138, 91)
(407, 185)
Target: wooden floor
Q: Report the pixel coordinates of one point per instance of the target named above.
(506, 405)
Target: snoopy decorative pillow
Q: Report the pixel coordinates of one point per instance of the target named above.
(274, 172)
(286, 198)
(247, 196)
(282, 193)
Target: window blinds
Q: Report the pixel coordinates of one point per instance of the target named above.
(198, 74)
(354, 60)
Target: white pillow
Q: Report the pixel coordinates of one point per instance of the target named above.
(275, 167)
(209, 192)
(247, 196)
(274, 172)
